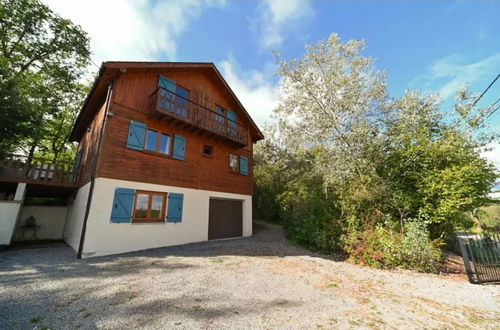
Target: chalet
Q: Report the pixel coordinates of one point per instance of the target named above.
(164, 158)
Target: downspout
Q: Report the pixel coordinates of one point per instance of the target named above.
(94, 167)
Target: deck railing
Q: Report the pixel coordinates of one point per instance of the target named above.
(19, 168)
(176, 106)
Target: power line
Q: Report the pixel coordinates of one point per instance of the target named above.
(494, 110)
(98, 67)
(484, 92)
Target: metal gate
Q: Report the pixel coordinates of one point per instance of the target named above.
(481, 254)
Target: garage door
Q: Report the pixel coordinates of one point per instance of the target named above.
(225, 219)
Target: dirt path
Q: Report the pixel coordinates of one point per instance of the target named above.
(259, 282)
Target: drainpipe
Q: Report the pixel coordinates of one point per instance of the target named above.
(94, 167)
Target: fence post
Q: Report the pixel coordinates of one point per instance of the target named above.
(461, 242)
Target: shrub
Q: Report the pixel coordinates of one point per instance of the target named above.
(384, 247)
(314, 233)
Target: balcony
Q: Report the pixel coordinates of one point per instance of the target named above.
(165, 103)
(18, 168)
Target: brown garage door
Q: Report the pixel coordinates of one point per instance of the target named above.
(225, 219)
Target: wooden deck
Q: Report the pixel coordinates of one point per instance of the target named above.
(40, 171)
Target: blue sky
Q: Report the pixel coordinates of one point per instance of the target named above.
(435, 46)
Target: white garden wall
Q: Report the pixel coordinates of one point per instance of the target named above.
(103, 237)
(51, 220)
(9, 211)
(75, 219)
(8, 215)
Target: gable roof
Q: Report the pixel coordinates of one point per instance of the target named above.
(110, 71)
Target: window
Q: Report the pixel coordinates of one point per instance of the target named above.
(157, 142)
(151, 140)
(233, 163)
(182, 100)
(149, 207)
(208, 151)
(220, 119)
(165, 144)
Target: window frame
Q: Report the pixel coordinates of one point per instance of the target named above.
(211, 154)
(178, 95)
(157, 151)
(148, 218)
(237, 170)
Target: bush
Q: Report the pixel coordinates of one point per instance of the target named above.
(384, 247)
(314, 233)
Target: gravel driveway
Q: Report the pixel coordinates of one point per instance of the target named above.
(258, 282)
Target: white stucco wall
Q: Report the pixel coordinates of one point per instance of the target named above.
(9, 211)
(8, 216)
(50, 218)
(75, 219)
(103, 237)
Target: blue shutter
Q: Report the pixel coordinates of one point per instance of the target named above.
(164, 82)
(76, 166)
(231, 123)
(136, 134)
(243, 165)
(79, 156)
(167, 88)
(174, 212)
(122, 205)
(179, 147)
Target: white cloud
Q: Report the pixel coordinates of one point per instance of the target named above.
(493, 154)
(253, 88)
(454, 71)
(278, 15)
(133, 30)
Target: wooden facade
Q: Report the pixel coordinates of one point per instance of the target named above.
(131, 100)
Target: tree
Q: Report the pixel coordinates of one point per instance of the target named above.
(334, 97)
(344, 159)
(435, 163)
(43, 58)
(15, 112)
(54, 142)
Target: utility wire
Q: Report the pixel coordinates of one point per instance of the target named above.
(98, 67)
(494, 110)
(494, 107)
(484, 92)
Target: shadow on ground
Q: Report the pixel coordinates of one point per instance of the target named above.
(26, 303)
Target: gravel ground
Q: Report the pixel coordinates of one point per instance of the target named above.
(257, 282)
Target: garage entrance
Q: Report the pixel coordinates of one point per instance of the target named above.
(225, 218)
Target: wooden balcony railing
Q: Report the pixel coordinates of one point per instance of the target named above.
(165, 102)
(20, 168)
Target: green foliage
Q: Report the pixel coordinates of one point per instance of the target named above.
(384, 247)
(42, 60)
(346, 167)
(486, 218)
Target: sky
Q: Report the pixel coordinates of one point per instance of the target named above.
(434, 46)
